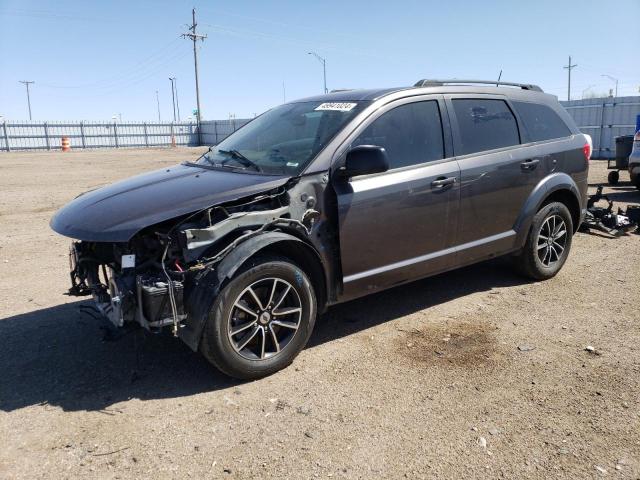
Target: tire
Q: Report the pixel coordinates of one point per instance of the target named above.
(541, 259)
(635, 179)
(613, 177)
(275, 341)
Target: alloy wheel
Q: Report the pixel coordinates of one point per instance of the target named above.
(264, 318)
(552, 240)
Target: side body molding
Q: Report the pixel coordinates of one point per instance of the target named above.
(210, 282)
(547, 186)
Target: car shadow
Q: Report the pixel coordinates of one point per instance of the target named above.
(58, 355)
(357, 315)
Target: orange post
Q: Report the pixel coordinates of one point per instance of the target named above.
(66, 145)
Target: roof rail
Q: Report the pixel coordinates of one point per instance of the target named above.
(439, 83)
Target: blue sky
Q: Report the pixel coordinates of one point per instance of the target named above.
(91, 60)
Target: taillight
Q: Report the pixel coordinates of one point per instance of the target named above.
(587, 151)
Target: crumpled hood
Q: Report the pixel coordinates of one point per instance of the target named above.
(117, 212)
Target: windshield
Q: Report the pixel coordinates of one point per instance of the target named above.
(283, 140)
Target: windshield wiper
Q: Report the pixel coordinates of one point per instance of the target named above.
(235, 154)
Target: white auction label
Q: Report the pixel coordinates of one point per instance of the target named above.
(128, 261)
(337, 106)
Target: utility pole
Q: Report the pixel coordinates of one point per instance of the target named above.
(26, 83)
(193, 36)
(323, 61)
(158, 102)
(569, 67)
(173, 97)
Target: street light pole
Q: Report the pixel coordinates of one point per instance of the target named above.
(175, 86)
(173, 97)
(612, 78)
(323, 61)
(26, 83)
(158, 102)
(586, 89)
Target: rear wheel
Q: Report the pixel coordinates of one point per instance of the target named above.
(548, 242)
(260, 320)
(613, 177)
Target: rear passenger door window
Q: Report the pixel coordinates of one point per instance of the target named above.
(411, 134)
(541, 122)
(484, 124)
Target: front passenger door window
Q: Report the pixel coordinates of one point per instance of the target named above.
(411, 134)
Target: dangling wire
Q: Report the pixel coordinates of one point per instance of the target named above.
(172, 299)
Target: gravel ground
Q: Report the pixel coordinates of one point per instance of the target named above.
(473, 373)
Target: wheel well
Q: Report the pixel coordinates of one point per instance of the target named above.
(305, 258)
(568, 198)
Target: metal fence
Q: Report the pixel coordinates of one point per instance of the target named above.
(214, 131)
(84, 134)
(604, 119)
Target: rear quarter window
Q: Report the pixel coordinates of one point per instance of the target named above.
(484, 125)
(541, 122)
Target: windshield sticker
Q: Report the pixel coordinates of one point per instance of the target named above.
(336, 106)
(292, 164)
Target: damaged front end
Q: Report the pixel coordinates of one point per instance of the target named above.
(129, 282)
(149, 279)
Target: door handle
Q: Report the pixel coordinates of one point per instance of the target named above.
(442, 182)
(530, 164)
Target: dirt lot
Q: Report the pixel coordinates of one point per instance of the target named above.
(474, 373)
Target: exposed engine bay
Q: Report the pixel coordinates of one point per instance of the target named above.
(146, 281)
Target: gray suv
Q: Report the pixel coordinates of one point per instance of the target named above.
(324, 200)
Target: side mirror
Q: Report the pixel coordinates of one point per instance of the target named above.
(364, 160)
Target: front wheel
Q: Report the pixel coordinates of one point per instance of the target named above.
(548, 242)
(261, 319)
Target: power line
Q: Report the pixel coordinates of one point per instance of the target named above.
(569, 67)
(126, 83)
(159, 57)
(57, 16)
(26, 83)
(193, 36)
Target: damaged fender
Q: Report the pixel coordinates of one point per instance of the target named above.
(210, 281)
